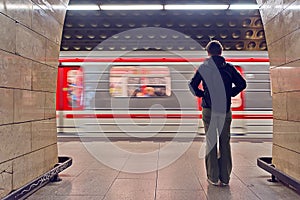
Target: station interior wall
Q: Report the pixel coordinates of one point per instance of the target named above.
(30, 37)
(29, 48)
(283, 38)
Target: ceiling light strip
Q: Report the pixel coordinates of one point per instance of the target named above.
(83, 7)
(243, 7)
(165, 7)
(196, 7)
(132, 7)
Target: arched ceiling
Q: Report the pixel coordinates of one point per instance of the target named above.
(236, 29)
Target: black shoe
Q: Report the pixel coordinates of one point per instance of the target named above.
(213, 183)
(224, 184)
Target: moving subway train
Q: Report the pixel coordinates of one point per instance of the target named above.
(145, 94)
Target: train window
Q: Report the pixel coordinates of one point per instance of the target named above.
(74, 88)
(136, 81)
(236, 101)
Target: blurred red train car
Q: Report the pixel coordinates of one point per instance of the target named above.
(147, 95)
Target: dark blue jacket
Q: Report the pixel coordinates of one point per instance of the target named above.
(218, 78)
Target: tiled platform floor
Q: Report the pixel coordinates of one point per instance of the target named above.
(89, 179)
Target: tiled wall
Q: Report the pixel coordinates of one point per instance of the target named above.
(30, 36)
(282, 28)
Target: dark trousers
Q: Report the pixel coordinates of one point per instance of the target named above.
(217, 167)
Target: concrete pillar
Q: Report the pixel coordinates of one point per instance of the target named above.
(30, 36)
(282, 29)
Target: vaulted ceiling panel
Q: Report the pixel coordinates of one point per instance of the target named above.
(236, 29)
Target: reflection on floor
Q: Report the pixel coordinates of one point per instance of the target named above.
(158, 170)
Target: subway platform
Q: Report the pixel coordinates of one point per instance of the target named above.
(184, 178)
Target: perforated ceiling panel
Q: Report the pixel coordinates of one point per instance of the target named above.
(236, 29)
